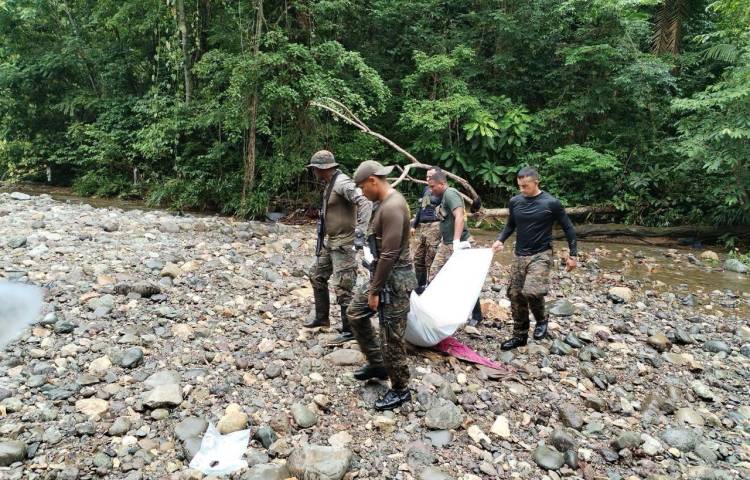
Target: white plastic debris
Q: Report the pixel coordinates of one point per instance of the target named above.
(20, 306)
(448, 300)
(221, 454)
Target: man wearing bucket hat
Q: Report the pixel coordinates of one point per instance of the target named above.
(392, 280)
(343, 219)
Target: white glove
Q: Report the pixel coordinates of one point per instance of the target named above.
(459, 245)
(367, 254)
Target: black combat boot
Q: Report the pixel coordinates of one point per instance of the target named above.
(476, 315)
(512, 343)
(371, 371)
(393, 399)
(322, 307)
(346, 330)
(540, 330)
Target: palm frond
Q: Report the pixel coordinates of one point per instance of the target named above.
(667, 37)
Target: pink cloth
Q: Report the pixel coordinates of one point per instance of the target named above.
(453, 347)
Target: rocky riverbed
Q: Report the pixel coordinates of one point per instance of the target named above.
(155, 325)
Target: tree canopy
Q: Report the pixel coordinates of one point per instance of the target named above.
(639, 104)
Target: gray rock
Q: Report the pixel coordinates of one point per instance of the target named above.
(620, 294)
(745, 349)
(319, 462)
(560, 348)
(659, 342)
(52, 436)
(190, 447)
(163, 396)
(16, 242)
(120, 427)
(629, 440)
(11, 451)
(572, 340)
(64, 326)
(268, 471)
(419, 454)
(716, 346)
(273, 370)
(571, 459)
(682, 439)
(561, 308)
(35, 381)
(439, 438)
(700, 389)
(570, 416)
(132, 358)
(445, 391)
(266, 436)
(562, 440)
(734, 265)
(68, 473)
(444, 415)
(19, 196)
(191, 427)
(110, 226)
(102, 461)
(345, 356)
(303, 416)
(432, 473)
(548, 458)
(706, 453)
(681, 337)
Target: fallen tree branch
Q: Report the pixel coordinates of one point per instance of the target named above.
(691, 232)
(342, 112)
(503, 212)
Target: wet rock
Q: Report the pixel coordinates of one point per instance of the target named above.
(319, 462)
(734, 265)
(265, 435)
(444, 415)
(548, 458)
(11, 451)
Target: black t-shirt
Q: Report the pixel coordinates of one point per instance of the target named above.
(533, 218)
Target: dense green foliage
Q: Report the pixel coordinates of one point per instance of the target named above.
(642, 104)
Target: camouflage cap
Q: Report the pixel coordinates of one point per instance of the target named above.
(369, 168)
(322, 159)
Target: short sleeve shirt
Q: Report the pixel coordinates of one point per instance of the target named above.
(451, 200)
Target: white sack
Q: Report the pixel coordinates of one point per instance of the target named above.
(20, 306)
(221, 454)
(449, 299)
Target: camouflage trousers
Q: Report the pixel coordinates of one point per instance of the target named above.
(444, 252)
(338, 264)
(529, 280)
(428, 241)
(390, 351)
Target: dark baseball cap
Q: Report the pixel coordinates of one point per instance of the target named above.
(322, 159)
(369, 168)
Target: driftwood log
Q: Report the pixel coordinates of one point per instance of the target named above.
(702, 233)
(572, 211)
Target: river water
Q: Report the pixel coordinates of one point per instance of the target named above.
(653, 263)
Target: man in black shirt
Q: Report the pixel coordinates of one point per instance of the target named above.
(532, 214)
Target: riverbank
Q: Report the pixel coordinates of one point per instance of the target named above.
(644, 376)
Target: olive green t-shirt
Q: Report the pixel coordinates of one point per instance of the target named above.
(451, 200)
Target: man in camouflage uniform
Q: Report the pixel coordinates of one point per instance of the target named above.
(426, 227)
(391, 283)
(344, 216)
(532, 214)
(453, 232)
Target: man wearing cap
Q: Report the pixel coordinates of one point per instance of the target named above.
(426, 227)
(344, 216)
(391, 283)
(453, 231)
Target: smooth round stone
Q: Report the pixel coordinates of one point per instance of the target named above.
(682, 439)
(716, 346)
(548, 458)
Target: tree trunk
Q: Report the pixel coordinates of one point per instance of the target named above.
(702, 233)
(187, 61)
(249, 177)
(503, 212)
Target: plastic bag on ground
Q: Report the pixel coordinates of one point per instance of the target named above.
(446, 303)
(20, 306)
(221, 454)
